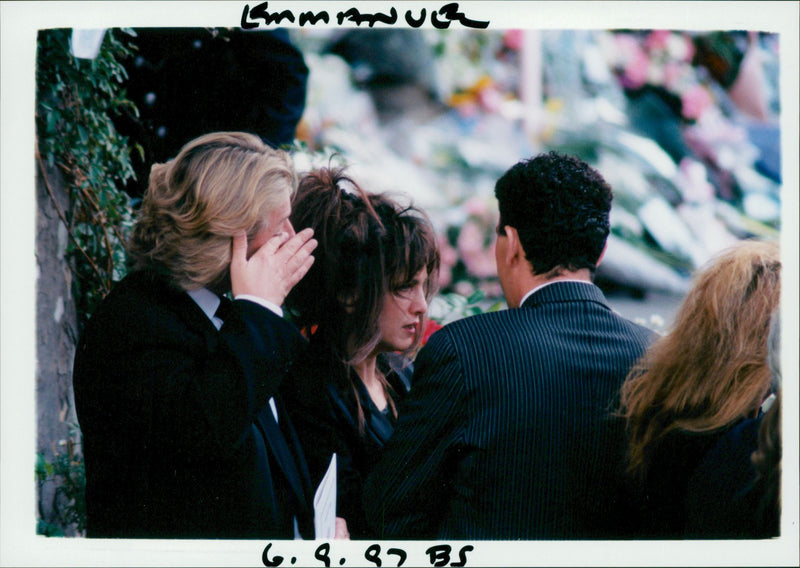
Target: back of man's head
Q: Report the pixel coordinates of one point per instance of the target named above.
(560, 208)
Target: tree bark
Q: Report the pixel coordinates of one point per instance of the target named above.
(56, 338)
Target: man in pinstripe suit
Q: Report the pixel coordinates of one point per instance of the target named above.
(508, 430)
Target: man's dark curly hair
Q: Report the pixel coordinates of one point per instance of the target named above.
(559, 206)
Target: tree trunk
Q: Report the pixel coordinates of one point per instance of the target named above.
(56, 338)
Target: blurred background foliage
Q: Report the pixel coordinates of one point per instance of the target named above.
(684, 126)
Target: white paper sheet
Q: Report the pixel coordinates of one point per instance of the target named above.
(325, 504)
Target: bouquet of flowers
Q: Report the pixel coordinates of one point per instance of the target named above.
(660, 59)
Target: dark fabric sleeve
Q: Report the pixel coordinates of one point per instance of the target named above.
(311, 413)
(406, 494)
(725, 494)
(154, 374)
(256, 349)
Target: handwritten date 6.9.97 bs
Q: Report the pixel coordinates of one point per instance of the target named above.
(436, 555)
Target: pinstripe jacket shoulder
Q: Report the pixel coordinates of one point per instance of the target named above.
(508, 430)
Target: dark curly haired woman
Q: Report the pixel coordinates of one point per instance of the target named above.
(363, 304)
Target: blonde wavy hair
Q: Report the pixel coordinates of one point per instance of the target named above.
(711, 369)
(217, 186)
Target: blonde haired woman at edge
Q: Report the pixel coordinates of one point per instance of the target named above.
(705, 376)
(736, 490)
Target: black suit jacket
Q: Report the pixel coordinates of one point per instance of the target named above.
(322, 404)
(178, 437)
(507, 432)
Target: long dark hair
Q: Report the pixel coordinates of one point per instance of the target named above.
(369, 244)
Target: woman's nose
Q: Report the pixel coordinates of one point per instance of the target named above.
(419, 305)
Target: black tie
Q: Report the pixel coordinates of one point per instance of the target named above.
(224, 308)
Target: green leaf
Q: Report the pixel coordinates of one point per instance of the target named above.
(41, 469)
(52, 121)
(75, 104)
(495, 307)
(476, 297)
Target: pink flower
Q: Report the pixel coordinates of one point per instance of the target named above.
(475, 206)
(481, 265)
(513, 39)
(695, 101)
(447, 253)
(478, 258)
(636, 70)
(468, 109)
(490, 99)
(492, 289)
(626, 44)
(447, 260)
(672, 74)
(470, 238)
(465, 288)
(689, 49)
(445, 276)
(658, 39)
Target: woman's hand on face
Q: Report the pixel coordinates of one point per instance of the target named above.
(274, 269)
(341, 529)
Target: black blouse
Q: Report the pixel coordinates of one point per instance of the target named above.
(726, 496)
(321, 401)
(662, 496)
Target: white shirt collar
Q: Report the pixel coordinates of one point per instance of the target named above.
(540, 286)
(208, 301)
